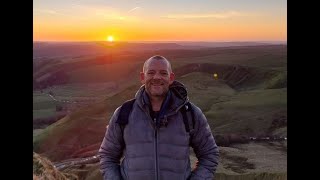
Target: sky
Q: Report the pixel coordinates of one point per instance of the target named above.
(161, 20)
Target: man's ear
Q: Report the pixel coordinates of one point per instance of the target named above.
(142, 78)
(172, 78)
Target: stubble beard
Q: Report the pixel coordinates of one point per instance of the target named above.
(157, 92)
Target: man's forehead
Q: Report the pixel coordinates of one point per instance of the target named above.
(154, 63)
(157, 61)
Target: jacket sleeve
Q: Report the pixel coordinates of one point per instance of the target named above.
(205, 148)
(111, 150)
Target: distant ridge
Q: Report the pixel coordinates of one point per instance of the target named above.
(49, 50)
(231, 43)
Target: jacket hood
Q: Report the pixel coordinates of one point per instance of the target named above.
(179, 90)
(179, 95)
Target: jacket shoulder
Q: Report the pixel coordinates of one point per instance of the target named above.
(196, 110)
(199, 117)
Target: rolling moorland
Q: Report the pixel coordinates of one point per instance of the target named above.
(76, 93)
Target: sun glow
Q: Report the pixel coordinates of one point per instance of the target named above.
(110, 38)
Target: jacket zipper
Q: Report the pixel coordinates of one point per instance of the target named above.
(155, 143)
(156, 149)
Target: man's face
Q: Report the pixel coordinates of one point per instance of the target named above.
(157, 78)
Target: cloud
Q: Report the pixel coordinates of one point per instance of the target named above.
(133, 9)
(100, 12)
(48, 11)
(222, 15)
(57, 14)
(90, 12)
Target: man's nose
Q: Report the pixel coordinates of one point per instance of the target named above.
(157, 76)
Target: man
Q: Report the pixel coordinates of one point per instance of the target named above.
(155, 142)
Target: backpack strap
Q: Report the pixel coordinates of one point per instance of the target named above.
(124, 113)
(186, 110)
(188, 117)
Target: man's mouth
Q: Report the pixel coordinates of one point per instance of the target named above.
(157, 84)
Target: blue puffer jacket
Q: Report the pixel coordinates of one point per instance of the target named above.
(151, 153)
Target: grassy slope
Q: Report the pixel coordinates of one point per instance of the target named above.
(82, 128)
(103, 73)
(109, 79)
(42, 101)
(252, 111)
(43, 106)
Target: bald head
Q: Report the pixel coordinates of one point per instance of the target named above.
(156, 58)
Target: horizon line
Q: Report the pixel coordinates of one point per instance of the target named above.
(203, 41)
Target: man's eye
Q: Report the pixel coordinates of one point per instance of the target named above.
(164, 73)
(150, 73)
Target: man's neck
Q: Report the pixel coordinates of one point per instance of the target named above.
(156, 103)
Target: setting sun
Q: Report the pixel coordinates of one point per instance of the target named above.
(110, 38)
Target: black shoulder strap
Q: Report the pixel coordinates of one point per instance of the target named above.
(124, 113)
(188, 117)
